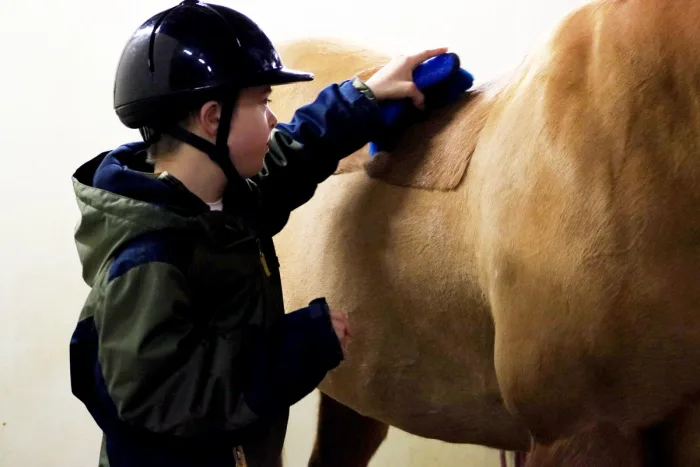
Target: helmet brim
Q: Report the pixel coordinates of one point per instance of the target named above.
(284, 76)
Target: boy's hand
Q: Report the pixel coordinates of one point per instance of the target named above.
(341, 325)
(395, 79)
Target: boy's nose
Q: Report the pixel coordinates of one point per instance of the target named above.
(271, 119)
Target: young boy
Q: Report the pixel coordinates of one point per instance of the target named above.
(183, 353)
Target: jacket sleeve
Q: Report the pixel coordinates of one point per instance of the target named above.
(168, 371)
(306, 151)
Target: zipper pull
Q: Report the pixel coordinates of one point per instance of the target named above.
(240, 457)
(263, 261)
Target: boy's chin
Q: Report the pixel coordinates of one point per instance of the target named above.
(250, 170)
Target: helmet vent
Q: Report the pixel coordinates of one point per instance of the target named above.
(152, 44)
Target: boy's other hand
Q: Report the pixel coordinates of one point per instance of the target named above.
(341, 326)
(395, 79)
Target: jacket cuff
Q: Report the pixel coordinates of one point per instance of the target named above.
(363, 88)
(327, 343)
(358, 93)
(365, 108)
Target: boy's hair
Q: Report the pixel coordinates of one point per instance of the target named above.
(163, 144)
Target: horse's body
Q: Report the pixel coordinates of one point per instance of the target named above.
(527, 262)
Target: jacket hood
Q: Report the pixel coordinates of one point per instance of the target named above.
(120, 198)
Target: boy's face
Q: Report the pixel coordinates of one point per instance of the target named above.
(251, 125)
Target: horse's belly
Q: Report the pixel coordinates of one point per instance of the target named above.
(399, 262)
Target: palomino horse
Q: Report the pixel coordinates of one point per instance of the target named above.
(523, 270)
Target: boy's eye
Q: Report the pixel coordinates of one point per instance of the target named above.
(267, 100)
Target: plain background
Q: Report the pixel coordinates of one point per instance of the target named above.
(56, 75)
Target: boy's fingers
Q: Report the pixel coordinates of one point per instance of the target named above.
(341, 325)
(419, 101)
(412, 91)
(420, 57)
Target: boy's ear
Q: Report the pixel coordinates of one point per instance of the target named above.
(208, 117)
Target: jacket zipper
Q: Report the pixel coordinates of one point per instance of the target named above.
(263, 261)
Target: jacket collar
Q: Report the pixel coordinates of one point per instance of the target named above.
(126, 172)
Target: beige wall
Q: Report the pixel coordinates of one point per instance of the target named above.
(57, 60)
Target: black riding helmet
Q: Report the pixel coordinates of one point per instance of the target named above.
(185, 56)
